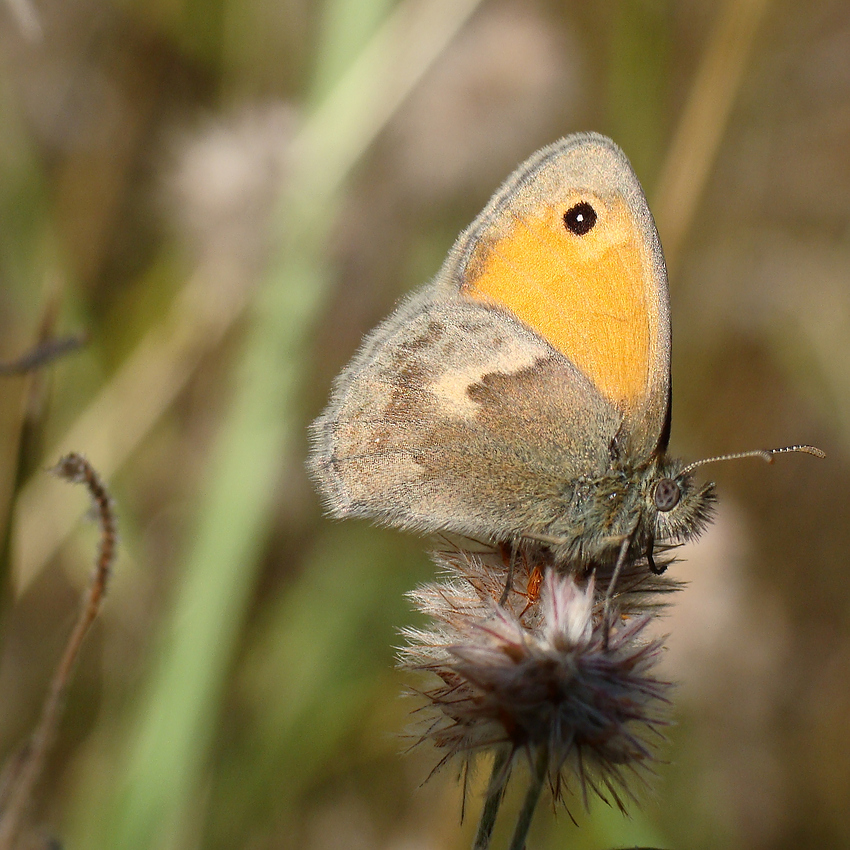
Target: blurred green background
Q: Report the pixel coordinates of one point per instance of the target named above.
(224, 196)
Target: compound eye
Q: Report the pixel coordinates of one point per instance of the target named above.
(666, 495)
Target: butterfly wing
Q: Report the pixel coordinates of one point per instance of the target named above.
(599, 297)
(534, 355)
(454, 416)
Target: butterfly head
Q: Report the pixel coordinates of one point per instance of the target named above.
(676, 507)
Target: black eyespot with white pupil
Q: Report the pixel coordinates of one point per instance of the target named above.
(579, 219)
(666, 495)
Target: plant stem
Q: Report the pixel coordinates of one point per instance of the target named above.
(531, 799)
(23, 775)
(495, 793)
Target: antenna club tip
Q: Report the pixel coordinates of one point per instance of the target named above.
(766, 454)
(809, 450)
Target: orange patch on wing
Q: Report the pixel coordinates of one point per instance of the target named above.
(590, 297)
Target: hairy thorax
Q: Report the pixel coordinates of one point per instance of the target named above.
(653, 504)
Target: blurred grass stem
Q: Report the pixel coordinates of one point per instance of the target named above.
(330, 143)
(42, 354)
(179, 711)
(124, 412)
(27, 20)
(703, 122)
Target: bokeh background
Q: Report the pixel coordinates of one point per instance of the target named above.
(224, 196)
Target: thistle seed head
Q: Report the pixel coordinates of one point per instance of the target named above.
(553, 676)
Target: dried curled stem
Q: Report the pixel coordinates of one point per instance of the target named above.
(23, 771)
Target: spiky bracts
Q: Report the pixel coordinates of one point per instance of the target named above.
(554, 676)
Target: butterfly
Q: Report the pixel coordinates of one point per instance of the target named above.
(522, 397)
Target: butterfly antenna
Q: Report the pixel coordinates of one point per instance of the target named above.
(765, 454)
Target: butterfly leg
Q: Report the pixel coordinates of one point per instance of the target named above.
(532, 588)
(618, 566)
(509, 552)
(656, 569)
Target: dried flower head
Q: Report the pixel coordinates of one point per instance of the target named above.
(553, 678)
